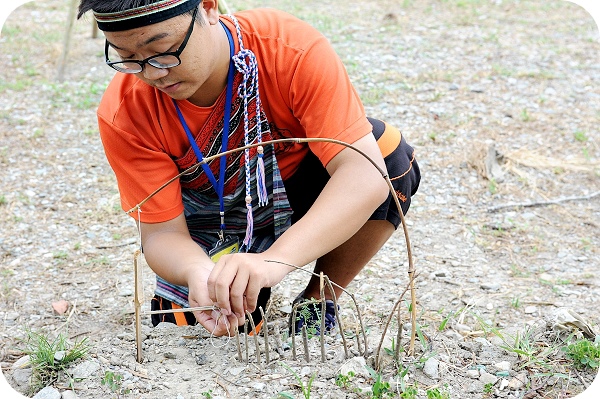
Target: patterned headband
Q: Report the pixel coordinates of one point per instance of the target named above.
(144, 15)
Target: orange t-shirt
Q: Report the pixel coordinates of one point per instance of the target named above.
(304, 89)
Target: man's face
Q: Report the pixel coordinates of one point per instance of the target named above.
(199, 60)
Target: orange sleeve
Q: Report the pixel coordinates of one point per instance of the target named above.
(325, 102)
(141, 169)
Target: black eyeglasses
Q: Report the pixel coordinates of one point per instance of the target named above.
(162, 60)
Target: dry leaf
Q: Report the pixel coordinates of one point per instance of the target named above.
(60, 307)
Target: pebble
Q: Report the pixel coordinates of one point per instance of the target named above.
(21, 363)
(473, 373)
(22, 376)
(48, 393)
(356, 365)
(431, 368)
(258, 386)
(59, 355)
(503, 366)
(85, 369)
(530, 309)
(489, 286)
(518, 381)
(487, 378)
(69, 395)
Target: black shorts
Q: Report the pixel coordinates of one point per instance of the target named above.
(305, 185)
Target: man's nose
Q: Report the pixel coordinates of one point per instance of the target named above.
(153, 73)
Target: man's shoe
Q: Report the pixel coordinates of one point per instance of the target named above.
(308, 313)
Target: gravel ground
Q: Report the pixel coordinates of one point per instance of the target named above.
(500, 100)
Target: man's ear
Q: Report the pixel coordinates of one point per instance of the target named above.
(211, 7)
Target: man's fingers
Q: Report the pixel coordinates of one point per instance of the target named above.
(252, 291)
(237, 291)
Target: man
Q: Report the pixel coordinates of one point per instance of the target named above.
(194, 83)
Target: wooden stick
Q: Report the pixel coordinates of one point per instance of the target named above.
(60, 74)
(542, 203)
(323, 310)
(338, 317)
(266, 333)
(255, 335)
(138, 299)
(305, 341)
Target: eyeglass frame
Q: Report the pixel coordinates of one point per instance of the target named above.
(149, 60)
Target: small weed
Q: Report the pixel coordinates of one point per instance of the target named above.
(343, 380)
(304, 388)
(207, 394)
(60, 255)
(77, 246)
(493, 186)
(2, 199)
(409, 392)
(117, 236)
(584, 353)
(380, 389)
(435, 393)
(488, 388)
(516, 302)
(580, 136)
(525, 117)
(114, 382)
(49, 358)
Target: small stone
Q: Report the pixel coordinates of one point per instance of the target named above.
(530, 309)
(201, 359)
(21, 363)
(518, 382)
(487, 378)
(69, 395)
(85, 369)
(305, 371)
(59, 356)
(503, 384)
(22, 377)
(431, 368)
(258, 386)
(503, 366)
(170, 355)
(48, 393)
(356, 365)
(473, 373)
(462, 328)
(236, 370)
(490, 286)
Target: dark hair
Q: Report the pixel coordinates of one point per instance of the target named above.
(119, 5)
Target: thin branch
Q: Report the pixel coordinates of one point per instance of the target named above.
(515, 205)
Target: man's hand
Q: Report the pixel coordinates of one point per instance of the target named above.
(236, 280)
(214, 321)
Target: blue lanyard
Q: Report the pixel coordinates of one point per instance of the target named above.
(220, 184)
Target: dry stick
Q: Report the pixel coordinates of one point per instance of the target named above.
(323, 307)
(411, 269)
(255, 335)
(60, 73)
(543, 203)
(294, 310)
(398, 336)
(138, 299)
(246, 340)
(239, 345)
(266, 330)
(337, 316)
(351, 295)
(387, 323)
(305, 341)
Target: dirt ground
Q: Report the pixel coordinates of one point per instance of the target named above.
(501, 101)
